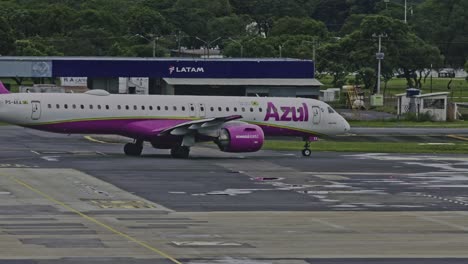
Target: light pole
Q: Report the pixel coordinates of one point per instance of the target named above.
(280, 47)
(406, 9)
(152, 40)
(241, 46)
(314, 48)
(208, 44)
(380, 56)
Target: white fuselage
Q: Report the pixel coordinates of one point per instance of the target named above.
(281, 114)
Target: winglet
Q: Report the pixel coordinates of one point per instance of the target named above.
(3, 90)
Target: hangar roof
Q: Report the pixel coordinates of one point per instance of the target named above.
(241, 82)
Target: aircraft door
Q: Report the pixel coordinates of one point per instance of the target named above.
(202, 110)
(36, 110)
(192, 110)
(316, 115)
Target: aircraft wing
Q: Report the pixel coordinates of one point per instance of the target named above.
(203, 126)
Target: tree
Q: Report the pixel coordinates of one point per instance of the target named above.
(444, 24)
(367, 76)
(144, 21)
(299, 26)
(333, 61)
(6, 38)
(227, 27)
(215, 7)
(332, 12)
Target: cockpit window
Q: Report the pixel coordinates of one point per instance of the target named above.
(330, 110)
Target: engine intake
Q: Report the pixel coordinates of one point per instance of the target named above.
(240, 138)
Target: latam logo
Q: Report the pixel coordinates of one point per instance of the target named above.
(287, 113)
(173, 69)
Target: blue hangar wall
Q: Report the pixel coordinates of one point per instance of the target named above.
(269, 77)
(184, 68)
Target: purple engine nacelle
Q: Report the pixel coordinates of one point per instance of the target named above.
(240, 137)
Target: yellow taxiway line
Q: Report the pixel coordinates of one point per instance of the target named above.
(458, 137)
(94, 220)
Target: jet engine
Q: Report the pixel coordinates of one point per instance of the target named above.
(240, 137)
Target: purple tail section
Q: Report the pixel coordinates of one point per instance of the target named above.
(3, 90)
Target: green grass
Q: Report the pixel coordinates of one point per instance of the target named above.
(455, 124)
(458, 91)
(372, 147)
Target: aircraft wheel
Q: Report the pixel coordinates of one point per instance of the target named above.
(180, 152)
(306, 152)
(133, 149)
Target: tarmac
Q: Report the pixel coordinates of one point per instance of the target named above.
(71, 199)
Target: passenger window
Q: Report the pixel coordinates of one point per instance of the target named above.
(151, 108)
(235, 109)
(166, 108)
(202, 108)
(330, 110)
(227, 109)
(74, 106)
(119, 107)
(65, 106)
(135, 107)
(183, 108)
(251, 109)
(142, 107)
(107, 107)
(211, 109)
(49, 105)
(82, 106)
(99, 107)
(58, 106)
(260, 110)
(175, 108)
(192, 108)
(243, 109)
(90, 106)
(127, 107)
(220, 109)
(159, 108)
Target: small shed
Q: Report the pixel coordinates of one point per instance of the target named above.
(434, 104)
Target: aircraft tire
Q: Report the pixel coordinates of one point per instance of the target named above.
(180, 152)
(306, 152)
(132, 149)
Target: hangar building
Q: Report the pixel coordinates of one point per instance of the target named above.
(189, 76)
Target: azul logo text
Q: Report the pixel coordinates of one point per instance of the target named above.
(287, 113)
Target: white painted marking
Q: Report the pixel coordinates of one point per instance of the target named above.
(229, 260)
(177, 192)
(442, 222)
(326, 223)
(206, 244)
(35, 152)
(50, 158)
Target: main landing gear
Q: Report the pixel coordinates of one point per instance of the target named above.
(180, 152)
(134, 149)
(306, 151)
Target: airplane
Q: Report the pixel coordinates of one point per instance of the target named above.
(175, 122)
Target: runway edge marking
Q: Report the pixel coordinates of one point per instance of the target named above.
(94, 220)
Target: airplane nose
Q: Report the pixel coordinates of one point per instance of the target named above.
(347, 127)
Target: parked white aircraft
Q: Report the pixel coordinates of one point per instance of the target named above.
(235, 124)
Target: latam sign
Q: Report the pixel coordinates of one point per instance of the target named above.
(173, 69)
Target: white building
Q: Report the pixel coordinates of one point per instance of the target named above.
(434, 104)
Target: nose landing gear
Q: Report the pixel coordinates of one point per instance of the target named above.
(306, 151)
